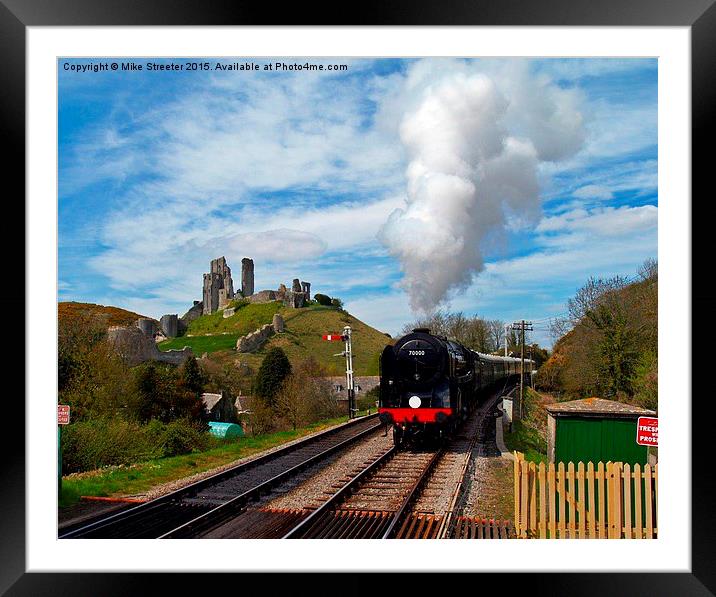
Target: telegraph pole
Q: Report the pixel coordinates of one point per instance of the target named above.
(507, 327)
(522, 326)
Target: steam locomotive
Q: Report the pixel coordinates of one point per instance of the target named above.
(428, 384)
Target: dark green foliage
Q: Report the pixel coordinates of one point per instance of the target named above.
(164, 393)
(274, 369)
(322, 299)
(192, 377)
(88, 445)
(181, 437)
(646, 381)
(336, 302)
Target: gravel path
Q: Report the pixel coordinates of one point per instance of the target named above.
(485, 492)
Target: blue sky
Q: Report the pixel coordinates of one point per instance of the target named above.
(494, 186)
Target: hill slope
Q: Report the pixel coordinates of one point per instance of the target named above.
(301, 339)
(612, 349)
(68, 311)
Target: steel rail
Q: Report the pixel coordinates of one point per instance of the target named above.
(413, 494)
(340, 495)
(220, 513)
(135, 511)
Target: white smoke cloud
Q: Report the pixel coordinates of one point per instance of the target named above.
(475, 142)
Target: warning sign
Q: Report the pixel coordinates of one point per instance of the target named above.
(63, 414)
(647, 431)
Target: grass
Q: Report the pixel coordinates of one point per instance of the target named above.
(141, 477)
(497, 498)
(246, 319)
(302, 338)
(201, 344)
(525, 438)
(529, 435)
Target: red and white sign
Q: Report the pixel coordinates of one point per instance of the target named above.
(63, 414)
(333, 337)
(647, 431)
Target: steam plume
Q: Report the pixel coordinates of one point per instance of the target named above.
(474, 152)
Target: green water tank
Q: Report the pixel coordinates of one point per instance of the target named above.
(225, 430)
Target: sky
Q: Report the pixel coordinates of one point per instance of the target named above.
(495, 187)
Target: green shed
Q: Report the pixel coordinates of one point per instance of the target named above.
(594, 429)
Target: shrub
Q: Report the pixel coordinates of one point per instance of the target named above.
(274, 369)
(322, 299)
(87, 445)
(181, 437)
(368, 399)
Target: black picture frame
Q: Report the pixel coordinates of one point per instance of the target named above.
(17, 15)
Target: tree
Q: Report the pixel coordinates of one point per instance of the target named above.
(306, 395)
(192, 377)
(322, 299)
(271, 374)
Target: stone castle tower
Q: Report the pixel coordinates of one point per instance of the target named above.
(218, 286)
(247, 276)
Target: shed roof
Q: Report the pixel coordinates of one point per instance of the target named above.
(597, 406)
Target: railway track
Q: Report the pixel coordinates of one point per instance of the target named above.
(192, 510)
(395, 496)
(372, 503)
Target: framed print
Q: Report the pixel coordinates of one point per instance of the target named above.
(246, 241)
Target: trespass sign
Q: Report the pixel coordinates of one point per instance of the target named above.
(647, 431)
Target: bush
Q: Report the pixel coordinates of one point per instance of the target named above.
(181, 437)
(369, 399)
(89, 445)
(322, 299)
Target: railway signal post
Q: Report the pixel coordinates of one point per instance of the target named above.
(348, 353)
(349, 373)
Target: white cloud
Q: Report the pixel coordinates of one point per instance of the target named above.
(593, 191)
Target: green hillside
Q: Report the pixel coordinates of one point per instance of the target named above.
(302, 336)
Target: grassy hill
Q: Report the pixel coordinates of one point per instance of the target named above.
(68, 311)
(302, 336)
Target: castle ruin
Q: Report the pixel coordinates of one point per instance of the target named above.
(218, 286)
(247, 276)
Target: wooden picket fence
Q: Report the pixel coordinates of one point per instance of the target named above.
(611, 501)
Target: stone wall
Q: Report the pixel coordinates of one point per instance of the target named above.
(135, 347)
(255, 340)
(264, 296)
(363, 384)
(169, 325)
(148, 326)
